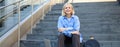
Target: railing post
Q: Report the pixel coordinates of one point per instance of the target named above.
(43, 13)
(50, 5)
(72, 1)
(31, 16)
(40, 2)
(19, 18)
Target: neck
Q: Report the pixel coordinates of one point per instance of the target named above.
(68, 16)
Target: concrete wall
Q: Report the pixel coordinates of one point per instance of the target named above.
(9, 39)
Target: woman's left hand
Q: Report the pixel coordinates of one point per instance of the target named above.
(75, 32)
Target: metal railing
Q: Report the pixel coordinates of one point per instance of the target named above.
(12, 14)
(6, 15)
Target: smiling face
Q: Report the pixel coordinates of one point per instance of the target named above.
(68, 9)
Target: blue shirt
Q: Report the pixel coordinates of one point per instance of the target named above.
(73, 24)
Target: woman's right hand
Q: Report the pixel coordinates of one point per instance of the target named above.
(75, 32)
(62, 29)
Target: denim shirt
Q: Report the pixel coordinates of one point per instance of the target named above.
(73, 24)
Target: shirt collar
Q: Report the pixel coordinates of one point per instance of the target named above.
(66, 17)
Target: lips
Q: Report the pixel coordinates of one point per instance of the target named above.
(67, 10)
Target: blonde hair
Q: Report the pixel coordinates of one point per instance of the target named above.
(63, 13)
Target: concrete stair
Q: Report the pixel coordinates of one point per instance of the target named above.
(100, 19)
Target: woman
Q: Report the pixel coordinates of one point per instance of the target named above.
(68, 26)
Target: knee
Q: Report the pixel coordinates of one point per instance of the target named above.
(61, 35)
(76, 36)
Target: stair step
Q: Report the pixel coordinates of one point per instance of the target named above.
(41, 36)
(83, 32)
(102, 37)
(88, 21)
(52, 31)
(99, 37)
(84, 19)
(44, 32)
(101, 4)
(110, 43)
(93, 29)
(88, 25)
(36, 43)
(95, 4)
(103, 24)
(52, 13)
(40, 43)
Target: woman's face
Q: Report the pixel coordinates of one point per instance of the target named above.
(68, 9)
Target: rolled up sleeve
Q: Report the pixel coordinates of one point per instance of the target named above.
(77, 24)
(60, 25)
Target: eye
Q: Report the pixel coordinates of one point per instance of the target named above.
(67, 7)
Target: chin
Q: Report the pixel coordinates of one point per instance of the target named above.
(68, 13)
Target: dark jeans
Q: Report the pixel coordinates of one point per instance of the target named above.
(64, 41)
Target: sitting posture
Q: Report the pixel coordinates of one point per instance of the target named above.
(68, 27)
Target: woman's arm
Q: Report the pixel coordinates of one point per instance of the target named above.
(76, 26)
(75, 32)
(60, 25)
(61, 29)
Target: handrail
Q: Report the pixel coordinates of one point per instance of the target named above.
(7, 15)
(24, 2)
(4, 16)
(12, 11)
(9, 5)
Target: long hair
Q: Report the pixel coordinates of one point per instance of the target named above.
(63, 13)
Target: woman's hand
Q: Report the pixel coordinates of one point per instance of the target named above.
(62, 29)
(75, 32)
